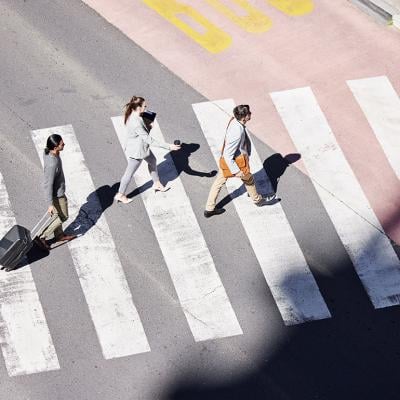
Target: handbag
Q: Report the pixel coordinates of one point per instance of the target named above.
(241, 160)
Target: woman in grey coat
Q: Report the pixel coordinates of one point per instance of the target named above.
(137, 148)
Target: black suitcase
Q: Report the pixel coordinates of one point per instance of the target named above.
(14, 245)
(18, 241)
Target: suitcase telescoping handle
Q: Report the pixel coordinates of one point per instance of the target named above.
(43, 223)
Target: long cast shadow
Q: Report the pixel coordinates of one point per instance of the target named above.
(91, 211)
(276, 165)
(174, 163)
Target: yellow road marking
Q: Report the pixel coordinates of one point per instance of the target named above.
(255, 21)
(213, 39)
(293, 7)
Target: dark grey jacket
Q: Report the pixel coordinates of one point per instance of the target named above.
(54, 181)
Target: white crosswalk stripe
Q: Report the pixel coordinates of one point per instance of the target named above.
(381, 106)
(99, 269)
(24, 335)
(281, 259)
(356, 224)
(199, 288)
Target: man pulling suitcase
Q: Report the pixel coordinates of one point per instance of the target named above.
(19, 240)
(54, 187)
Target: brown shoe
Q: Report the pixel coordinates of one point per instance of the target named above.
(41, 243)
(65, 238)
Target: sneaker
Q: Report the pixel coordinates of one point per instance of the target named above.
(270, 196)
(216, 211)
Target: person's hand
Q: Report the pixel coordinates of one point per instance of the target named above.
(174, 147)
(240, 174)
(51, 210)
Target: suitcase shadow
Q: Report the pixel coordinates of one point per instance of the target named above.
(33, 255)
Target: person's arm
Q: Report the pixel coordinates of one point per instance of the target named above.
(232, 143)
(151, 141)
(49, 175)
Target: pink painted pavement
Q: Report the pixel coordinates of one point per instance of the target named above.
(334, 43)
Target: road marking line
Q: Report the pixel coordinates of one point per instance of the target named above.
(381, 106)
(24, 335)
(95, 257)
(356, 224)
(292, 285)
(199, 288)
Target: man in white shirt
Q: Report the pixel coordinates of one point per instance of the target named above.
(236, 142)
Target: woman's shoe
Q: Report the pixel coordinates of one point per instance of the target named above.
(160, 188)
(119, 198)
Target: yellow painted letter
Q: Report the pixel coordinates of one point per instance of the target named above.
(213, 39)
(254, 21)
(293, 7)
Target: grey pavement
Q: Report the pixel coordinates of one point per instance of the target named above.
(61, 64)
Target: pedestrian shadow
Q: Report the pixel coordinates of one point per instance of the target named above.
(174, 163)
(91, 211)
(266, 179)
(276, 165)
(34, 254)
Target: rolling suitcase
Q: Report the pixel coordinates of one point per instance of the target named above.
(18, 241)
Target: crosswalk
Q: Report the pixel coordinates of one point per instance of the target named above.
(25, 339)
(336, 184)
(199, 288)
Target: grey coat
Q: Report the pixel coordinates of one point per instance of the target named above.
(138, 138)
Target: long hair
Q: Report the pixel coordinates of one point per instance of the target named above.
(52, 142)
(133, 104)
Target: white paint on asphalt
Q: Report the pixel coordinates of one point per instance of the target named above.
(292, 285)
(95, 257)
(381, 106)
(24, 335)
(199, 288)
(356, 224)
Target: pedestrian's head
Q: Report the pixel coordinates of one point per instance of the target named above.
(54, 142)
(137, 104)
(242, 113)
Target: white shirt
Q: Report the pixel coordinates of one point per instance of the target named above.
(235, 144)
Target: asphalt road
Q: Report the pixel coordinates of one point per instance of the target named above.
(61, 63)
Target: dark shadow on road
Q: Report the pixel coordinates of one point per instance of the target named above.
(174, 163)
(90, 212)
(275, 166)
(353, 355)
